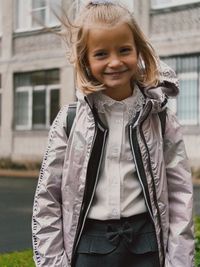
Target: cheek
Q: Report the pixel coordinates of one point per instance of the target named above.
(133, 64)
(95, 68)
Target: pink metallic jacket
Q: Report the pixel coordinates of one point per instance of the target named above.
(62, 203)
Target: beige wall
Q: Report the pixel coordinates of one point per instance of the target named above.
(171, 32)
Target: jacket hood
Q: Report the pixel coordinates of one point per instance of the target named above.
(167, 88)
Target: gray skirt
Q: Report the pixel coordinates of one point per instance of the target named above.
(128, 242)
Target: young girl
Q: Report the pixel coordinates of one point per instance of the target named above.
(117, 191)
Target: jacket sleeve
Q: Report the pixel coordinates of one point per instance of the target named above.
(180, 250)
(47, 233)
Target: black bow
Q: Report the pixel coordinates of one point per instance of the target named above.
(114, 234)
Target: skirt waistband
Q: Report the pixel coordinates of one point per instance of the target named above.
(102, 224)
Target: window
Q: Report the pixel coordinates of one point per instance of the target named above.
(36, 99)
(187, 105)
(35, 14)
(170, 3)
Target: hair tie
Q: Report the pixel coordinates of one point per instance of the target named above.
(101, 2)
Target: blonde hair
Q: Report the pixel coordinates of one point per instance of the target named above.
(103, 13)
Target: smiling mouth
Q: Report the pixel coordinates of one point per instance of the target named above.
(115, 72)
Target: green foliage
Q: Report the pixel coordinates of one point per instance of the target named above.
(7, 163)
(17, 259)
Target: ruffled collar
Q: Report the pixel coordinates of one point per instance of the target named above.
(132, 104)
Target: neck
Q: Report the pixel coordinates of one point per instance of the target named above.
(119, 94)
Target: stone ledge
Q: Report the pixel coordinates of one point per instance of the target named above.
(19, 173)
(35, 174)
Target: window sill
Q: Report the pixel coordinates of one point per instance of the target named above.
(167, 9)
(31, 32)
(30, 133)
(191, 129)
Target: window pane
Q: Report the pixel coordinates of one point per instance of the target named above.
(54, 10)
(21, 108)
(188, 101)
(39, 112)
(22, 79)
(54, 104)
(52, 77)
(38, 3)
(45, 77)
(23, 10)
(187, 64)
(38, 78)
(38, 18)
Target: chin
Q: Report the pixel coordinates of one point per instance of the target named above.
(115, 85)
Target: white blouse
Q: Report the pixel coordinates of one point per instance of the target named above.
(118, 193)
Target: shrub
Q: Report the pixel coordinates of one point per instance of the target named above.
(7, 163)
(196, 172)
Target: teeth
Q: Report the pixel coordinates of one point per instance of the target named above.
(116, 72)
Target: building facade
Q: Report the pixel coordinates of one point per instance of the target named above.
(174, 31)
(36, 79)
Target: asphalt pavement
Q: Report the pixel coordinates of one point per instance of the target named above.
(16, 201)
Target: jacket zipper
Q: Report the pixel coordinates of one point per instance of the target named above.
(150, 168)
(141, 183)
(77, 239)
(154, 187)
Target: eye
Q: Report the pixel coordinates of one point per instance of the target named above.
(100, 54)
(125, 50)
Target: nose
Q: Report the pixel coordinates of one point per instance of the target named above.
(114, 61)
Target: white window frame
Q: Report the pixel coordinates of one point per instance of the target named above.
(27, 89)
(1, 20)
(33, 10)
(30, 90)
(39, 88)
(188, 76)
(26, 13)
(49, 88)
(155, 4)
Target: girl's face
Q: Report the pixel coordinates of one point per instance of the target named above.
(112, 59)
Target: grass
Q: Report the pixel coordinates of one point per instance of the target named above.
(24, 259)
(17, 259)
(197, 241)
